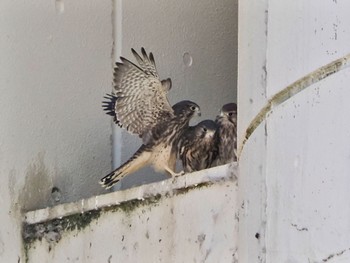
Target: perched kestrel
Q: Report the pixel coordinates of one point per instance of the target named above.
(227, 134)
(198, 146)
(139, 104)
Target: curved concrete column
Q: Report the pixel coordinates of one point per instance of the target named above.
(293, 131)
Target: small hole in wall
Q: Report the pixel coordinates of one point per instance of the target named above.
(257, 235)
(56, 194)
(187, 58)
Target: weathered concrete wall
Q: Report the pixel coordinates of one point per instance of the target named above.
(55, 67)
(294, 163)
(204, 29)
(191, 219)
(252, 44)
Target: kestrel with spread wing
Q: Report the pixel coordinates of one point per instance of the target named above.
(140, 105)
(198, 146)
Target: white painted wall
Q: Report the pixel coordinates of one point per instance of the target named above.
(295, 166)
(205, 29)
(55, 67)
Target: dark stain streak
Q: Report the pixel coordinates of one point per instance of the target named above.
(299, 229)
(335, 255)
(266, 21)
(293, 89)
(207, 254)
(201, 239)
(187, 189)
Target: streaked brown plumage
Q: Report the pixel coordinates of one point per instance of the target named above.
(198, 147)
(139, 104)
(227, 134)
(140, 95)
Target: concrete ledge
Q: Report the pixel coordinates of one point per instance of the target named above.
(193, 218)
(165, 187)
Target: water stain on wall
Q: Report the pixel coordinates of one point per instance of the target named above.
(36, 191)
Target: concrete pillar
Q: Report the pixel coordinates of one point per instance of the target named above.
(294, 132)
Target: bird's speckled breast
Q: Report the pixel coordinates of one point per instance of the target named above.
(161, 157)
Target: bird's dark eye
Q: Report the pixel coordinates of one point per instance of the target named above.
(193, 108)
(205, 129)
(230, 113)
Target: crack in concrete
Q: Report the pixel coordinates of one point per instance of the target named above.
(293, 89)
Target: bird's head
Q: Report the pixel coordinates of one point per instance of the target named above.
(205, 129)
(186, 109)
(229, 112)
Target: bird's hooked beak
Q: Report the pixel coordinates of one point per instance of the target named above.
(198, 110)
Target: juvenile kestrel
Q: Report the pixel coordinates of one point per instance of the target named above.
(139, 104)
(227, 134)
(198, 146)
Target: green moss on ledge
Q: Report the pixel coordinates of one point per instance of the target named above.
(182, 191)
(52, 230)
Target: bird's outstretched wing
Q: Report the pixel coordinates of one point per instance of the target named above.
(139, 98)
(147, 63)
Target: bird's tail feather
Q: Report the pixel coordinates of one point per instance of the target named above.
(108, 106)
(137, 161)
